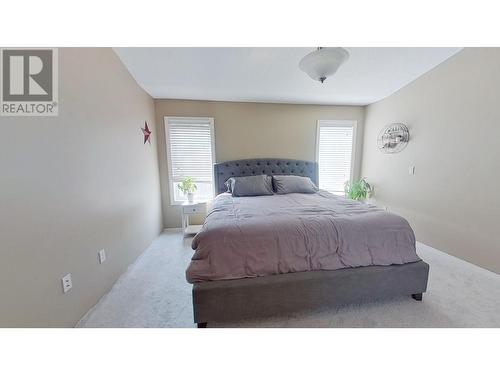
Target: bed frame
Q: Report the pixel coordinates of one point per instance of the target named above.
(227, 300)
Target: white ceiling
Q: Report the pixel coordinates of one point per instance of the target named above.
(272, 74)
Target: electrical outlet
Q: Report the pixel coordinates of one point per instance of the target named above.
(67, 283)
(102, 256)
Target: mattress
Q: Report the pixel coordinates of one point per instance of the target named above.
(245, 237)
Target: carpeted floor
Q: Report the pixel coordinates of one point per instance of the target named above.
(154, 293)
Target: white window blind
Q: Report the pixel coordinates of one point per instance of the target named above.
(335, 154)
(190, 145)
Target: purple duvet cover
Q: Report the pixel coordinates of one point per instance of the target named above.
(265, 235)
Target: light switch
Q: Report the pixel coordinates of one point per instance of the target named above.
(102, 256)
(411, 170)
(67, 283)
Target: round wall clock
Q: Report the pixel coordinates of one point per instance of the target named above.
(393, 138)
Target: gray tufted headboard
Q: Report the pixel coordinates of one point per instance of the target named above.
(249, 167)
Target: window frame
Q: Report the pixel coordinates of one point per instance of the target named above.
(338, 123)
(211, 126)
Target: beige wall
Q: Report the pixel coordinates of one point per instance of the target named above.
(453, 200)
(251, 130)
(72, 185)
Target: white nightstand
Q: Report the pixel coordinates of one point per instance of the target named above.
(194, 208)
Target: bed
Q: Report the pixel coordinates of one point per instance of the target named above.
(280, 254)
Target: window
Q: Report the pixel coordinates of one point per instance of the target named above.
(190, 153)
(335, 154)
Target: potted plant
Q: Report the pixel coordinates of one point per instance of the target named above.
(188, 187)
(358, 190)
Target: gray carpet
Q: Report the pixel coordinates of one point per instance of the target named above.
(154, 293)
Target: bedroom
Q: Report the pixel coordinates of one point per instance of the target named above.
(346, 186)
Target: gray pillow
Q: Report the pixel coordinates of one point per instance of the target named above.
(250, 185)
(285, 184)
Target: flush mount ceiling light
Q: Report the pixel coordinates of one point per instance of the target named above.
(323, 62)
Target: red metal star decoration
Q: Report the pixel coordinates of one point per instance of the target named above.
(147, 133)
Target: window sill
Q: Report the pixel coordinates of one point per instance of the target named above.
(182, 203)
(176, 203)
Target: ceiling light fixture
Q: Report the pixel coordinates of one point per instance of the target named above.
(323, 62)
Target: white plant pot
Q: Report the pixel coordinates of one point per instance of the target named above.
(190, 197)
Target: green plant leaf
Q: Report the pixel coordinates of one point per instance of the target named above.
(357, 190)
(187, 185)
